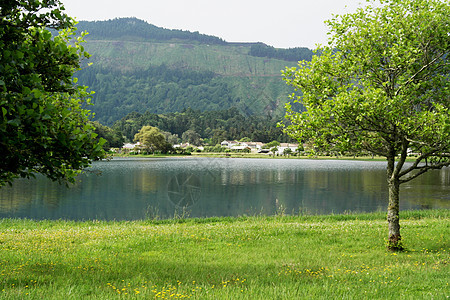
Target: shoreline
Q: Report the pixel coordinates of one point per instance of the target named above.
(252, 155)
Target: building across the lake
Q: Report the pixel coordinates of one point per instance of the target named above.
(255, 147)
(284, 146)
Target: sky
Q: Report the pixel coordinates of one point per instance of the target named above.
(282, 24)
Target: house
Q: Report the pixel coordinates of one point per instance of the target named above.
(284, 146)
(185, 145)
(229, 144)
(253, 145)
(130, 146)
(241, 148)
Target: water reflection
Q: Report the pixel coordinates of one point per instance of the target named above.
(131, 189)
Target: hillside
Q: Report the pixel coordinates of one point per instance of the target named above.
(139, 67)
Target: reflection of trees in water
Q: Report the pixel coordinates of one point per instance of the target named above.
(13, 199)
(26, 191)
(430, 190)
(296, 191)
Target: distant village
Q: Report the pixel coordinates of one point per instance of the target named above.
(231, 146)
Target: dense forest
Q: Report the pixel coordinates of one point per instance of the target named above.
(181, 81)
(212, 126)
(133, 29)
(157, 89)
(291, 54)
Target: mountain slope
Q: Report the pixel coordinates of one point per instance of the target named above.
(139, 67)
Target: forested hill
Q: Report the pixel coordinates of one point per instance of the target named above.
(133, 29)
(139, 67)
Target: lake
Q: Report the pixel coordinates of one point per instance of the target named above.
(131, 189)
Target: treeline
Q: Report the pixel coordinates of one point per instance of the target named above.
(212, 126)
(291, 54)
(158, 88)
(133, 29)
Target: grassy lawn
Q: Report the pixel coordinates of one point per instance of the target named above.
(280, 257)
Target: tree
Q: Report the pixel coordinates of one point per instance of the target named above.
(274, 150)
(191, 137)
(44, 123)
(113, 137)
(152, 140)
(271, 144)
(170, 138)
(287, 151)
(381, 85)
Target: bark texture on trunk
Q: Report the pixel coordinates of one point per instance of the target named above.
(393, 218)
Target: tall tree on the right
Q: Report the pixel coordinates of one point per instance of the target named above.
(381, 85)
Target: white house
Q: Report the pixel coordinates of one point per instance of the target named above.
(284, 146)
(240, 147)
(229, 144)
(130, 146)
(253, 145)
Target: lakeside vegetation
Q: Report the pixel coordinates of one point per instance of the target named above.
(256, 155)
(279, 257)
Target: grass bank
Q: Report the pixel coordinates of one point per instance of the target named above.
(258, 155)
(280, 257)
(252, 155)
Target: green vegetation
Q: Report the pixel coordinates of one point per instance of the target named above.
(138, 67)
(152, 140)
(293, 54)
(44, 122)
(280, 257)
(385, 91)
(212, 126)
(133, 29)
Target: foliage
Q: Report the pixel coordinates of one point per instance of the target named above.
(382, 86)
(171, 138)
(272, 144)
(291, 54)
(287, 151)
(191, 137)
(131, 71)
(164, 89)
(113, 138)
(212, 126)
(152, 140)
(44, 124)
(133, 29)
(216, 149)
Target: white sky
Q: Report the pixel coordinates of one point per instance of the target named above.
(282, 23)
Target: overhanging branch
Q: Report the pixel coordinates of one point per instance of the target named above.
(424, 169)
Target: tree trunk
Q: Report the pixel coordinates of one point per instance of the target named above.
(394, 243)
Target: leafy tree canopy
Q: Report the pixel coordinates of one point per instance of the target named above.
(212, 126)
(44, 124)
(152, 140)
(382, 85)
(191, 137)
(113, 138)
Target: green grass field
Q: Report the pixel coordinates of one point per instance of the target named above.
(279, 257)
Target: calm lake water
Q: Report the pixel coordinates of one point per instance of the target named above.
(130, 189)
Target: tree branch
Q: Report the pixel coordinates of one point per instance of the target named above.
(418, 72)
(425, 169)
